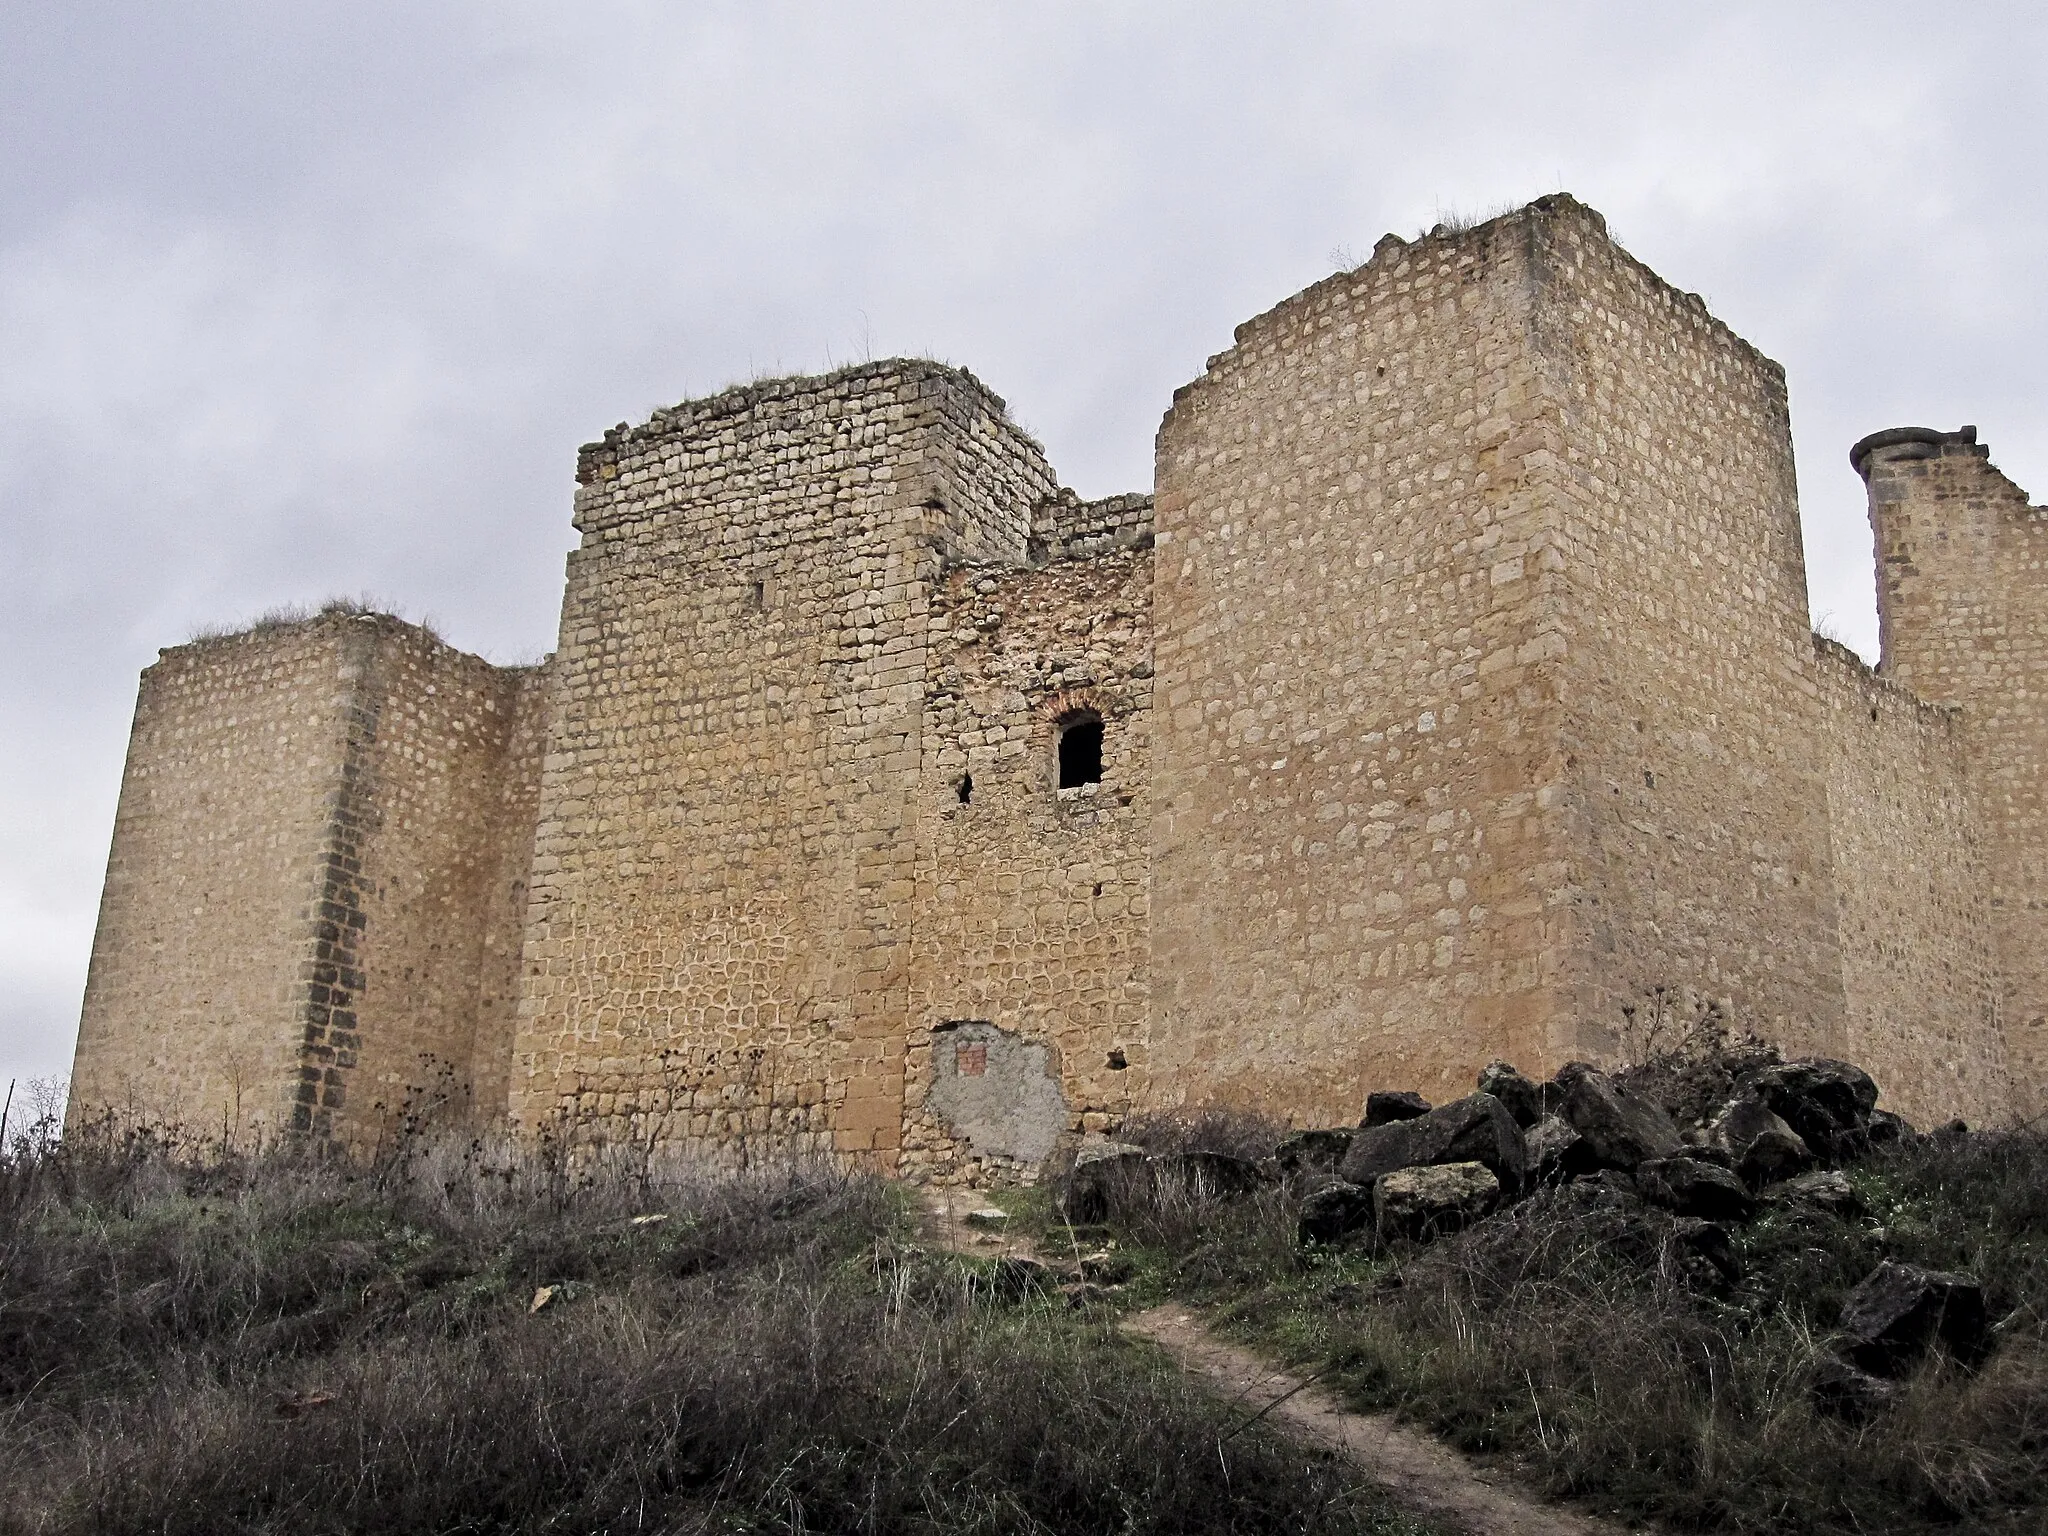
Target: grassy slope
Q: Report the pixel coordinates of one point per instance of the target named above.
(273, 1346)
(1539, 1337)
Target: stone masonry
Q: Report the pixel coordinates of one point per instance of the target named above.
(841, 820)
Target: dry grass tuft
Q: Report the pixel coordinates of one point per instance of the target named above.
(291, 615)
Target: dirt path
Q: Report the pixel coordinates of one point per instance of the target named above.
(949, 1210)
(1418, 1472)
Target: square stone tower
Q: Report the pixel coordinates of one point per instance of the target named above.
(725, 873)
(1483, 675)
(311, 921)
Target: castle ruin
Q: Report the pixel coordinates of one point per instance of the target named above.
(1451, 698)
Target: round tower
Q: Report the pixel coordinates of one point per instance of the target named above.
(1910, 473)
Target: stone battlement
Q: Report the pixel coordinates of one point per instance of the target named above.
(1472, 601)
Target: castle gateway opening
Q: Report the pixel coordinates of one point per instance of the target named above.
(1080, 751)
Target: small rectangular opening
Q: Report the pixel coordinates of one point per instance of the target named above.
(1081, 752)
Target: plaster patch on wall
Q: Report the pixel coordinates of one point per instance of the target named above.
(996, 1090)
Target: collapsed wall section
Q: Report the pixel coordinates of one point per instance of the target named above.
(1702, 869)
(1919, 979)
(1033, 900)
(718, 949)
(1359, 846)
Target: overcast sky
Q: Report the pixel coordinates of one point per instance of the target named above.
(307, 299)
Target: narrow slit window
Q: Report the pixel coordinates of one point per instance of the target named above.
(965, 788)
(1081, 753)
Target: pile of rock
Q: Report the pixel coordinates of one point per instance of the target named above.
(1410, 1171)
(1415, 1171)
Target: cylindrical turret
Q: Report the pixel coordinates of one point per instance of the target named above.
(1911, 472)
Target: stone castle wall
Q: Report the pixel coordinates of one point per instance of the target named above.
(1700, 864)
(511, 815)
(437, 814)
(1031, 939)
(1488, 726)
(1360, 840)
(194, 1003)
(1919, 977)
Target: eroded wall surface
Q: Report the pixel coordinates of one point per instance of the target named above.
(1032, 914)
(724, 881)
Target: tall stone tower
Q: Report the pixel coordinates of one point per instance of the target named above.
(1962, 606)
(719, 938)
(312, 914)
(1482, 648)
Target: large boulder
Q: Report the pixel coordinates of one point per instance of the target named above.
(1313, 1152)
(1686, 1186)
(1697, 1145)
(1424, 1202)
(1556, 1152)
(1620, 1129)
(1899, 1310)
(1520, 1097)
(1334, 1212)
(1758, 1142)
(1390, 1108)
(1829, 1103)
(1474, 1129)
(1103, 1172)
(1821, 1190)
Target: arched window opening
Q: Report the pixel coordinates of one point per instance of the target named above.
(1081, 751)
(965, 788)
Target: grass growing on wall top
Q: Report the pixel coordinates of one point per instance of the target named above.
(291, 615)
